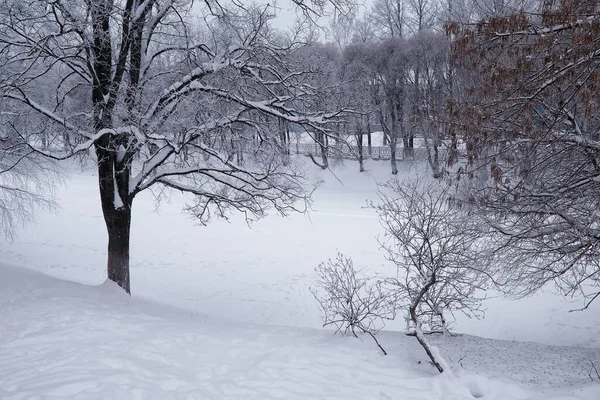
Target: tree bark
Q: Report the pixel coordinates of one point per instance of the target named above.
(393, 134)
(321, 146)
(425, 344)
(359, 146)
(369, 136)
(432, 147)
(324, 143)
(113, 182)
(407, 137)
(415, 319)
(118, 224)
(453, 153)
(113, 172)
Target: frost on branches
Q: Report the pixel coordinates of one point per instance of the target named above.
(440, 254)
(167, 95)
(530, 118)
(443, 266)
(351, 302)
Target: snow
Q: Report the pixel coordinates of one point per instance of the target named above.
(139, 11)
(225, 312)
(66, 340)
(118, 203)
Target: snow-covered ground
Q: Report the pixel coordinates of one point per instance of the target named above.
(225, 311)
(64, 340)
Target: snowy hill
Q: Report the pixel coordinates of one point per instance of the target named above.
(62, 340)
(225, 312)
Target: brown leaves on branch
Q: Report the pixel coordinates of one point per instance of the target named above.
(531, 126)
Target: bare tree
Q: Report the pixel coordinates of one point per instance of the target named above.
(364, 30)
(166, 104)
(27, 181)
(341, 30)
(439, 255)
(357, 81)
(427, 62)
(531, 122)
(389, 66)
(422, 14)
(389, 17)
(323, 62)
(350, 302)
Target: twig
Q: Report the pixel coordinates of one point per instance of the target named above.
(587, 304)
(376, 341)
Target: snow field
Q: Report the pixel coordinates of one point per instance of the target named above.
(225, 312)
(67, 340)
(262, 273)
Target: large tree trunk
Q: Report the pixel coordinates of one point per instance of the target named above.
(118, 224)
(113, 182)
(113, 172)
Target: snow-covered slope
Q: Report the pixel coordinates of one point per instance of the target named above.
(64, 340)
(263, 273)
(225, 312)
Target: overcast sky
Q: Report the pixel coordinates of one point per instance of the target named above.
(287, 13)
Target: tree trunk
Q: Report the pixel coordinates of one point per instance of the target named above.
(118, 224)
(393, 134)
(284, 137)
(283, 134)
(359, 146)
(432, 147)
(113, 171)
(324, 143)
(414, 317)
(436, 160)
(425, 344)
(453, 153)
(453, 156)
(369, 136)
(410, 150)
(113, 182)
(393, 154)
(407, 137)
(321, 146)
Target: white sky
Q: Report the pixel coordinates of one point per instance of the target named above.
(288, 12)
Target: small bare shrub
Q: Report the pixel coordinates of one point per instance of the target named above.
(351, 302)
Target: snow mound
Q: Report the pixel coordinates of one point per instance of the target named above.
(67, 340)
